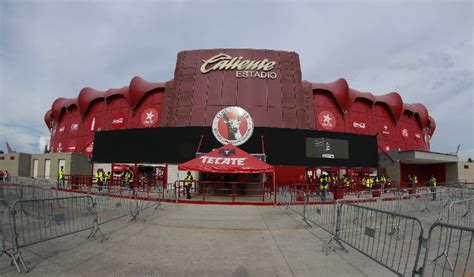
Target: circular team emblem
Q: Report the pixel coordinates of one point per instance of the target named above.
(149, 117)
(118, 120)
(232, 125)
(327, 120)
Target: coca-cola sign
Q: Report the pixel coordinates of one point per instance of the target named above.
(385, 129)
(118, 120)
(359, 125)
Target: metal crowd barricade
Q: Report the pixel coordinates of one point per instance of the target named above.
(433, 206)
(5, 231)
(321, 214)
(448, 251)
(38, 220)
(461, 212)
(371, 232)
(283, 197)
(292, 199)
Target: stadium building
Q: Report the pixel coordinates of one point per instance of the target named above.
(255, 99)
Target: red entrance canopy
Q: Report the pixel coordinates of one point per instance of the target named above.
(227, 159)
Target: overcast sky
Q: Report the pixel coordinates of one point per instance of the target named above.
(421, 49)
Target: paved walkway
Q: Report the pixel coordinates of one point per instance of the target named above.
(198, 240)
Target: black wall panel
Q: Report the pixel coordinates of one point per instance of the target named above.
(179, 144)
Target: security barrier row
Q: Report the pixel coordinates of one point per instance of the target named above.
(391, 230)
(31, 214)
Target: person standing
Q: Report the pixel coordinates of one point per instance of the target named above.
(61, 177)
(107, 179)
(99, 177)
(187, 184)
(324, 185)
(432, 183)
(130, 177)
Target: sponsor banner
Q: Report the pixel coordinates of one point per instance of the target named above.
(72, 146)
(61, 130)
(90, 147)
(74, 127)
(261, 69)
(118, 120)
(327, 120)
(222, 161)
(385, 129)
(59, 148)
(232, 125)
(360, 125)
(93, 124)
(418, 136)
(404, 133)
(149, 117)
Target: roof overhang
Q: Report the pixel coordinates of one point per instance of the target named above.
(423, 157)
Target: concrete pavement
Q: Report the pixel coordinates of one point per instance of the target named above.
(198, 240)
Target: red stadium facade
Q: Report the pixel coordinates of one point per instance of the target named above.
(265, 83)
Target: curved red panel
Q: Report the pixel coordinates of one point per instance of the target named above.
(340, 91)
(117, 91)
(139, 87)
(422, 112)
(419, 110)
(355, 94)
(57, 107)
(395, 103)
(432, 124)
(47, 117)
(86, 96)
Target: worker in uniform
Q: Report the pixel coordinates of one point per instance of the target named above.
(347, 182)
(125, 178)
(130, 178)
(383, 183)
(324, 185)
(334, 181)
(187, 184)
(432, 183)
(99, 177)
(107, 178)
(61, 177)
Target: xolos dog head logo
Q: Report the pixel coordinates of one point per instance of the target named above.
(232, 125)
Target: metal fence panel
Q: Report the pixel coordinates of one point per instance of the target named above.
(390, 239)
(448, 251)
(461, 212)
(39, 220)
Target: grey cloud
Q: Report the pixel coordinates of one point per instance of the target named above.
(423, 49)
